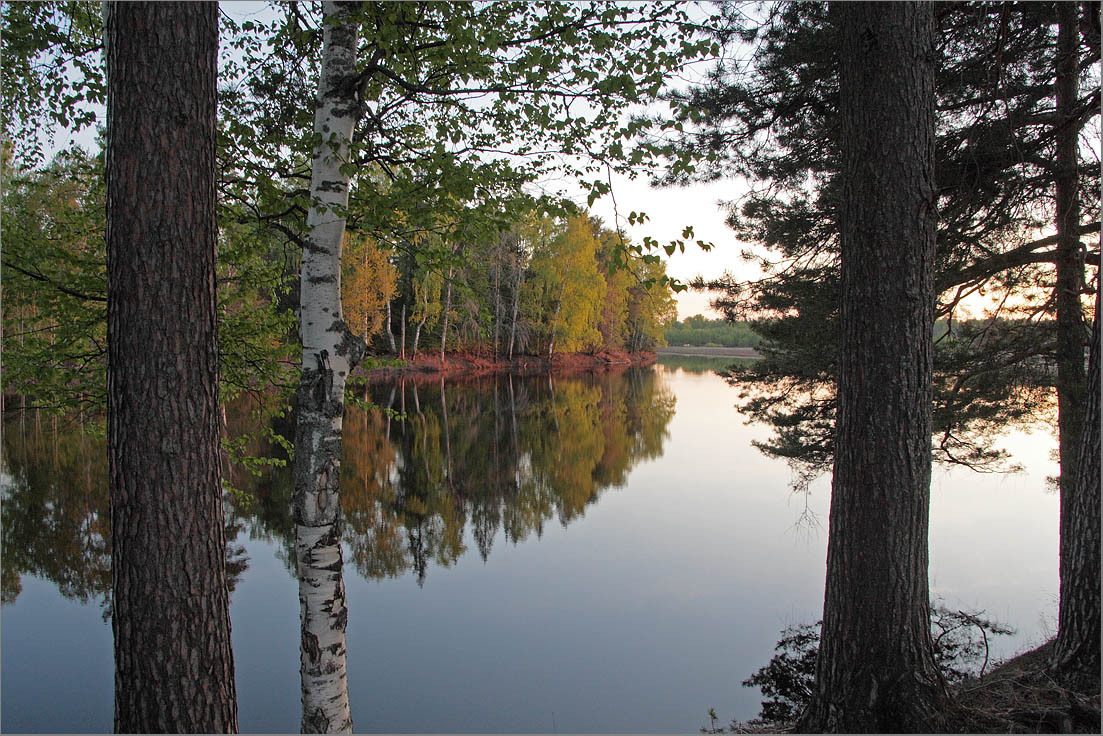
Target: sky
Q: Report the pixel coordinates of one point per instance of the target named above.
(669, 211)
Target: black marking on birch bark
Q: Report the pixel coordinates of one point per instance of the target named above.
(331, 537)
(316, 474)
(310, 245)
(315, 722)
(330, 186)
(310, 647)
(352, 346)
(329, 279)
(342, 619)
(352, 110)
(323, 381)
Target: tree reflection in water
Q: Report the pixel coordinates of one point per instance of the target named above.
(56, 520)
(431, 460)
(498, 453)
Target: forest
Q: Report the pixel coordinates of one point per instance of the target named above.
(701, 331)
(267, 206)
(543, 284)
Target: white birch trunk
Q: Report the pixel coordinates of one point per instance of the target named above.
(402, 352)
(558, 306)
(330, 351)
(447, 309)
(324, 617)
(497, 294)
(516, 305)
(390, 335)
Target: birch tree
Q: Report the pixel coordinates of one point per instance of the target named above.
(330, 351)
(438, 87)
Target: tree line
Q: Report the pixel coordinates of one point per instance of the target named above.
(542, 285)
(701, 331)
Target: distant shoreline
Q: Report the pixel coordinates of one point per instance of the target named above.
(427, 364)
(711, 352)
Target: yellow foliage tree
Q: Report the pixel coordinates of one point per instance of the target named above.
(368, 282)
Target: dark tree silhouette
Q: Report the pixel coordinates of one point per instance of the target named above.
(876, 670)
(1076, 652)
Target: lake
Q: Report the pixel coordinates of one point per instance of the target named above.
(601, 553)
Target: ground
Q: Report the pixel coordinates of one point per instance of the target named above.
(1017, 696)
(718, 352)
(467, 363)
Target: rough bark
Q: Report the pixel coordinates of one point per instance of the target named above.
(174, 669)
(1076, 653)
(1070, 276)
(330, 351)
(876, 669)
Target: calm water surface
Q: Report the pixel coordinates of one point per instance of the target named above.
(596, 554)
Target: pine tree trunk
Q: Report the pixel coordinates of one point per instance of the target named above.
(174, 668)
(1076, 659)
(876, 671)
(1070, 276)
(330, 351)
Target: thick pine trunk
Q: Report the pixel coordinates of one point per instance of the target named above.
(1076, 659)
(174, 669)
(876, 669)
(1070, 276)
(330, 351)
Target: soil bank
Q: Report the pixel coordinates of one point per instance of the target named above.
(466, 364)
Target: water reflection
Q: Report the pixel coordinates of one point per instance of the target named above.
(503, 453)
(495, 454)
(431, 470)
(55, 520)
(323, 618)
(56, 514)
